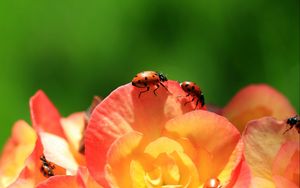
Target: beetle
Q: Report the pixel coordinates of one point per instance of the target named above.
(192, 89)
(293, 122)
(147, 79)
(46, 167)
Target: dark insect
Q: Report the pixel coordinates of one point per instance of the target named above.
(212, 183)
(46, 167)
(192, 89)
(293, 122)
(96, 100)
(149, 79)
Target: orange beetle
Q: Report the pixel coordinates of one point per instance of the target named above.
(149, 79)
(192, 89)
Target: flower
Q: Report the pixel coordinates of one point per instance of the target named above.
(256, 101)
(157, 141)
(272, 156)
(17, 149)
(55, 138)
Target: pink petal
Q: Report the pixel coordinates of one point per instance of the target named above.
(44, 115)
(263, 139)
(85, 180)
(123, 111)
(286, 162)
(256, 101)
(244, 176)
(282, 182)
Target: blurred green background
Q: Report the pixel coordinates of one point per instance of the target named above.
(75, 49)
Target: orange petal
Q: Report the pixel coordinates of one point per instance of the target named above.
(263, 139)
(16, 151)
(123, 111)
(59, 182)
(209, 131)
(118, 159)
(256, 101)
(44, 115)
(24, 180)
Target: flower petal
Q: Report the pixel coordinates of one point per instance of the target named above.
(44, 115)
(85, 180)
(118, 159)
(263, 139)
(16, 151)
(244, 176)
(286, 162)
(282, 182)
(256, 101)
(210, 132)
(123, 111)
(24, 180)
(57, 150)
(59, 182)
(73, 127)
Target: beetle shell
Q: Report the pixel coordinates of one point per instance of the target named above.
(145, 79)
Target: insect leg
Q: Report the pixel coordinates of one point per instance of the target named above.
(165, 87)
(144, 91)
(189, 101)
(154, 91)
(197, 104)
(291, 126)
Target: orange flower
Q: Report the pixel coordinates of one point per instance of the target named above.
(155, 141)
(272, 156)
(55, 138)
(256, 101)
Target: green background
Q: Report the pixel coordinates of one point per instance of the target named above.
(75, 49)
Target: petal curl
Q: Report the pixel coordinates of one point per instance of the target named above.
(123, 111)
(256, 101)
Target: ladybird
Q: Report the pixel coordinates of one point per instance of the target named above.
(293, 122)
(46, 167)
(149, 79)
(212, 183)
(192, 89)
